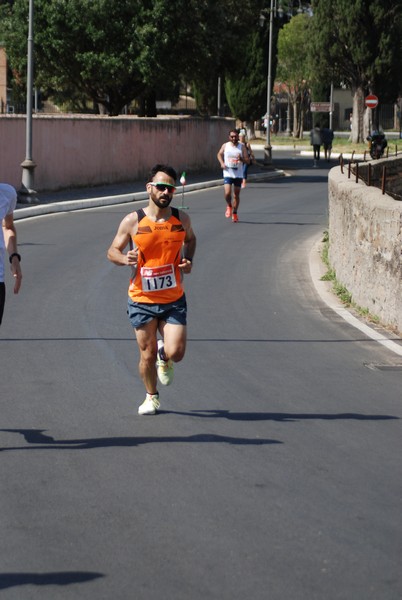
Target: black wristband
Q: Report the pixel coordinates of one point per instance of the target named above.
(12, 256)
(189, 259)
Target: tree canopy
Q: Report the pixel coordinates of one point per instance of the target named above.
(246, 85)
(113, 53)
(359, 43)
(293, 66)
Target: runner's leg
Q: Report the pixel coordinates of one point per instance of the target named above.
(147, 344)
(174, 340)
(236, 198)
(228, 193)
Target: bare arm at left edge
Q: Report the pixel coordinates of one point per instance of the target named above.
(10, 239)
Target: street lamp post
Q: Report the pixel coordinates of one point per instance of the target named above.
(219, 97)
(331, 101)
(27, 192)
(268, 147)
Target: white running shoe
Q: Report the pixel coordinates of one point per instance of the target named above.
(150, 405)
(164, 367)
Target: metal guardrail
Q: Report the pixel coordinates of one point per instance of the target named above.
(369, 179)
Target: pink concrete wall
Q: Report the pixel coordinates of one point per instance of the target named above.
(72, 151)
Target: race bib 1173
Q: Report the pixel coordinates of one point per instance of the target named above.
(155, 279)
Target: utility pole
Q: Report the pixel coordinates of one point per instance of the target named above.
(27, 194)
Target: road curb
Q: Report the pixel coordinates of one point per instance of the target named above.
(85, 203)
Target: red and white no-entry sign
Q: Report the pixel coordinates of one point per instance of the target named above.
(371, 101)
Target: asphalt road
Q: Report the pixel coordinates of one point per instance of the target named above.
(274, 469)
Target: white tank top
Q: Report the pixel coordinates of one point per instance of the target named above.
(231, 157)
(8, 202)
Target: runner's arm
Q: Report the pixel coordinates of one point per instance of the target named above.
(220, 156)
(10, 240)
(121, 240)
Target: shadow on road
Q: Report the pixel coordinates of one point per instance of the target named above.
(39, 441)
(282, 417)
(8, 580)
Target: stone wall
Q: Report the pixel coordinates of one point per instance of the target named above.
(365, 233)
(74, 151)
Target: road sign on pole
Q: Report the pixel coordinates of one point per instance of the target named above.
(371, 101)
(321, 107)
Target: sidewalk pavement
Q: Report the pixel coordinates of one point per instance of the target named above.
(120, 193)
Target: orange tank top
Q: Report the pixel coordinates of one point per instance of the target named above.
(158, 279)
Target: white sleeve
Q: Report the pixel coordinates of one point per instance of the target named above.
(8, 199)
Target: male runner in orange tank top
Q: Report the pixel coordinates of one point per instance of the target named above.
(161, 249)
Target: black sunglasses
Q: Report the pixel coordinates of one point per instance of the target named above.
(161, 187)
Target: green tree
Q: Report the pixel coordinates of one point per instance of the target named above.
(360, 42)
(222, 50)
(108, 53)
(293, 67)
(246, 88)
(114, 52)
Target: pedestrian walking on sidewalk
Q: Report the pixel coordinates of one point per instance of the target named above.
(8, 242)
(327, 136)
(315, 141)
(232, 156)
(161, 246)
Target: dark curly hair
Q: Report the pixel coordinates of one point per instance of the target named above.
(165, 169)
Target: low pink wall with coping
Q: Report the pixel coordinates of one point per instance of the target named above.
(74, 151)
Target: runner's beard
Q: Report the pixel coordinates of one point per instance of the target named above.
(160, 204)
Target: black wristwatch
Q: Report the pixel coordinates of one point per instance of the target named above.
(12, 256)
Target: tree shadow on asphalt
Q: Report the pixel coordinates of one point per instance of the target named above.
(282, 417)
(8, 580)
(40, 441)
